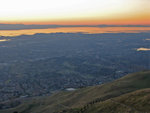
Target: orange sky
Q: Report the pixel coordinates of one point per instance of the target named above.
(126, 21)
(75, 12)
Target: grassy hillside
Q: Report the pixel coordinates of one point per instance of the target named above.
(135, 102)
(80, 98)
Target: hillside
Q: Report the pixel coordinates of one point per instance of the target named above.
(80, 98)
(135, 102)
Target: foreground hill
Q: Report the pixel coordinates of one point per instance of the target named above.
(101, 98)
(135, 102)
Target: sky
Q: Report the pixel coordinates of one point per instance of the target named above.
(75, 12)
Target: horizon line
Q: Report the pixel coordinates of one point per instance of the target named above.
(39, 26)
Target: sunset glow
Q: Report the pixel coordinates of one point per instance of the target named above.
(75, 11)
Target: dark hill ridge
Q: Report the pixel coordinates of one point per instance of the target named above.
(106, 94)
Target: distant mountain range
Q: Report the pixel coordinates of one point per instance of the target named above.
(129, 94)
(22, 26)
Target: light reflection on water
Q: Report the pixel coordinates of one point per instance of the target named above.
(75, 30)
(4, 40)
(147, 39)
(143, 49)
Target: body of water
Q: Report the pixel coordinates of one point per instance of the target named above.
(75, 30)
